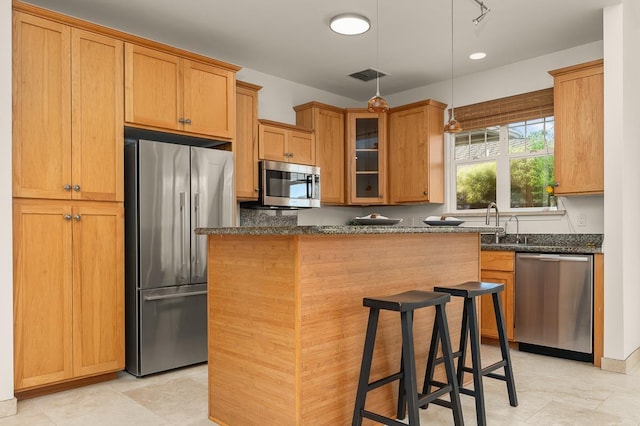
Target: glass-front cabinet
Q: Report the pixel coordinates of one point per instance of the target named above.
(367, 157)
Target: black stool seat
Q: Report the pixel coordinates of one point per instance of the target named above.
(469, 291)
(407, 301)
(408, 395)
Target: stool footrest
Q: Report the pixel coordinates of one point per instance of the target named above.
(441, 402)
(440, 360)
(382, 419)
(426, 399)
(383, 381)
(488, 369)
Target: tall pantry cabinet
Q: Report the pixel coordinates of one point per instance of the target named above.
(68, 203)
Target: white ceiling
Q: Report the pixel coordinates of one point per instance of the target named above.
(291, 38)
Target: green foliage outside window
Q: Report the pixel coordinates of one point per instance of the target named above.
(476, 185)
(530, 165)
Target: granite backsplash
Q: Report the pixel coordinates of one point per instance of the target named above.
(268, 217)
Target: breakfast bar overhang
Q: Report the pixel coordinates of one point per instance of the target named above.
(286, 324)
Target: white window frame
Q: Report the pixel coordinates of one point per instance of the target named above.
(503, 175)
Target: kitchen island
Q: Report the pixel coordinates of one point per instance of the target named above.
(286, 322)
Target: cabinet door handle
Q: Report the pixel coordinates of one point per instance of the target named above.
(425, 193)
(187, 121)
(67, 187)
(76, 188)
(77, 217)
(67, 216)
(556, 184)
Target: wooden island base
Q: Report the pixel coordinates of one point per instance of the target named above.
(287, 325)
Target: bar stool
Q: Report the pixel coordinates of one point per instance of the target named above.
(406, 303)
(469, 291)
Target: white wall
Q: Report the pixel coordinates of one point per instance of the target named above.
(631, 176)
(622, 174)
(7, 403)
(278, 96)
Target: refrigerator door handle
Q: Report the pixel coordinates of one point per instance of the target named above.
(196, 213)
(174, 296)
(183, 220)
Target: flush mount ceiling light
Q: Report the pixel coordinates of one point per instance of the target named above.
(477, 56)
(349, 24)
(377, 103)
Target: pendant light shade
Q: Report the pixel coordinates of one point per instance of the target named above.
(377, 103)
(452, 125)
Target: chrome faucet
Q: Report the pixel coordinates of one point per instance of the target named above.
(494, 205)
(517, 227)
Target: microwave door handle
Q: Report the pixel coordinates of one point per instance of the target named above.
(310, 186)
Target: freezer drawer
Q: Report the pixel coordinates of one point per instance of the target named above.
(554, 301)
(173, 327)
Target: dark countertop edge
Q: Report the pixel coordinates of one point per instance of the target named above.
(343, 230)
(521, 248)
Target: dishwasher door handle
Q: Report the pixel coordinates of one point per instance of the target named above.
(555, 257)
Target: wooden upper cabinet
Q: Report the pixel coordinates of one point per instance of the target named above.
(246, 144)
(41, 88)
(287, 143)
(74, 79)
(327, 123)
(579, 129)
(416, 153)
(366, 151)
(153, 92)
(97, 115)
(209, 100)
(166, 91)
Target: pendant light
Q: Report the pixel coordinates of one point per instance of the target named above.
(377, 103)
(452, 125)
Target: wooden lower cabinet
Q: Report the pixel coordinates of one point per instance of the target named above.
(497, 267)
(68, 290)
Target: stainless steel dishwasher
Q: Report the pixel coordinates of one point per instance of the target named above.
(554, 304)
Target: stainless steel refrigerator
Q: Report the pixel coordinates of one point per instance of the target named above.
(170, 190)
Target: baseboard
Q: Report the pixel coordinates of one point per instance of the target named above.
(8, 407)
(624, 366)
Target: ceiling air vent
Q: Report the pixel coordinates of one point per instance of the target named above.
(368, 74)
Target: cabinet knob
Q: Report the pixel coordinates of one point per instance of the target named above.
(67, 187)
(76, 188)
(67, 216)
(187, 121)
(181, 120)
(76, 217)
(425, 193)
(556, 184)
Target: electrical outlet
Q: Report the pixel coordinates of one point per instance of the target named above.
(582, 219)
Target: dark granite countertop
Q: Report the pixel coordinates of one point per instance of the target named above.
(340, 229)
(546, 243)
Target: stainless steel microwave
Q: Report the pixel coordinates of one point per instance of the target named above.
(288, 185)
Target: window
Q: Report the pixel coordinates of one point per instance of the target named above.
(511, 165)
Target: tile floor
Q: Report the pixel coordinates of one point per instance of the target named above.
(551, 391)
